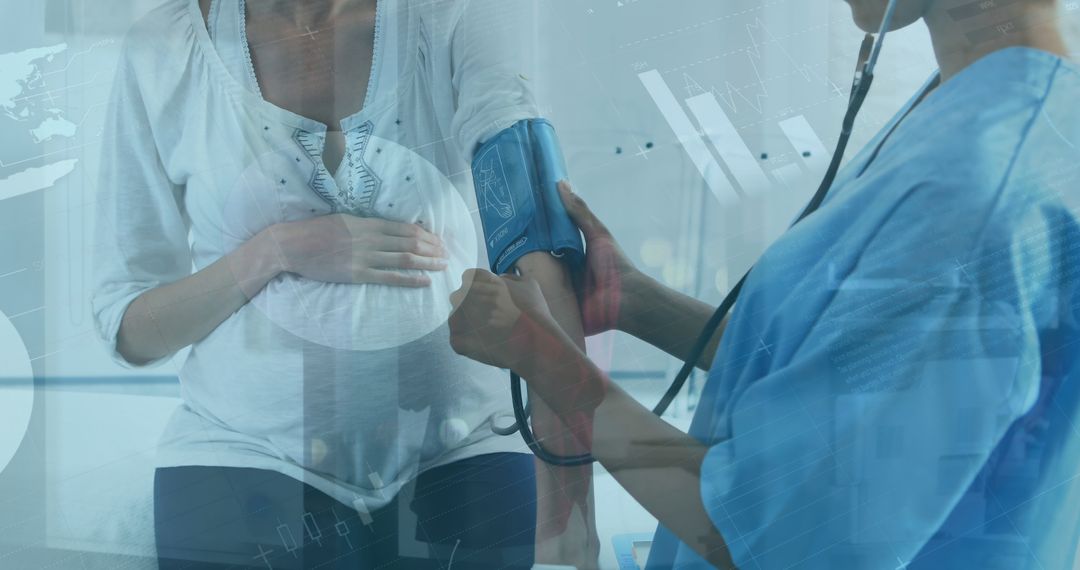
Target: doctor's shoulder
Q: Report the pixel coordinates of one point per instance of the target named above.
(1013, 152)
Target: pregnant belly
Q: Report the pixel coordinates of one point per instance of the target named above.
(356, 316)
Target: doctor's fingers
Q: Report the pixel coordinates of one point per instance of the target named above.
(480, 296)
(526, 294)
(470, 279)
(522, 285)
(478, 278)
(480, 304)
(580, 213)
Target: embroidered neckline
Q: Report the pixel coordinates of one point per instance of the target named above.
(362, 185)
(360, 172)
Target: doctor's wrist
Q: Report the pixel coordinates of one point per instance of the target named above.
(537, 343)
(638, 296)
(556, 368)
(543, 348)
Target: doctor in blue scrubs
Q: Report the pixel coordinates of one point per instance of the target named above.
(898, 385)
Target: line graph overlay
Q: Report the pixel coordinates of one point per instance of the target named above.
(806, 142)
(722, 133)
(689, 137)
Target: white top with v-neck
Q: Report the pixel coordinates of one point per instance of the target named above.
(351, 388)
(227, 27)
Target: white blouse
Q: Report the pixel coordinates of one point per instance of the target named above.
(351, 388)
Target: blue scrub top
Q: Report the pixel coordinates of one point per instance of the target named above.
(899, 384)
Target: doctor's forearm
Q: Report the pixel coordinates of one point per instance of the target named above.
(656, 463)
(566, 528)
(667, 319)
(660, 467)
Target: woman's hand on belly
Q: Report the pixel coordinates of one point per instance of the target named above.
(341, 248)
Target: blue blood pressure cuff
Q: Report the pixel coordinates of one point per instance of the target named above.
(516, 175)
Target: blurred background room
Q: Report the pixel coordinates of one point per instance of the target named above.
(630, 86)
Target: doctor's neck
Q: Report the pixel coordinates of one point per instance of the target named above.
(963, 34)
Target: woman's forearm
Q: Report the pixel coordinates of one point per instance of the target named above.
(667, 319)
(173, 316)
(566, 528)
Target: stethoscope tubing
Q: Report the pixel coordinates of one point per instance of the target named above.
(864, 78)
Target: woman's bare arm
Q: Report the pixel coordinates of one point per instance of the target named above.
(566, 525)
(170, 317)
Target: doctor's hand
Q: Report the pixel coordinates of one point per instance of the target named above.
(340, 248)
(609, 279)
(496, 320)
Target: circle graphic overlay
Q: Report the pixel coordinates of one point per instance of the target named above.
(276, 187)
(16, 390)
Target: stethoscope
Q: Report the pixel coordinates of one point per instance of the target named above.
(864, 77)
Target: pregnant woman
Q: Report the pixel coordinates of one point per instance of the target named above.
(284, 190)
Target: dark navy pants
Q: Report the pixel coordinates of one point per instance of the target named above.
(476, 513)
